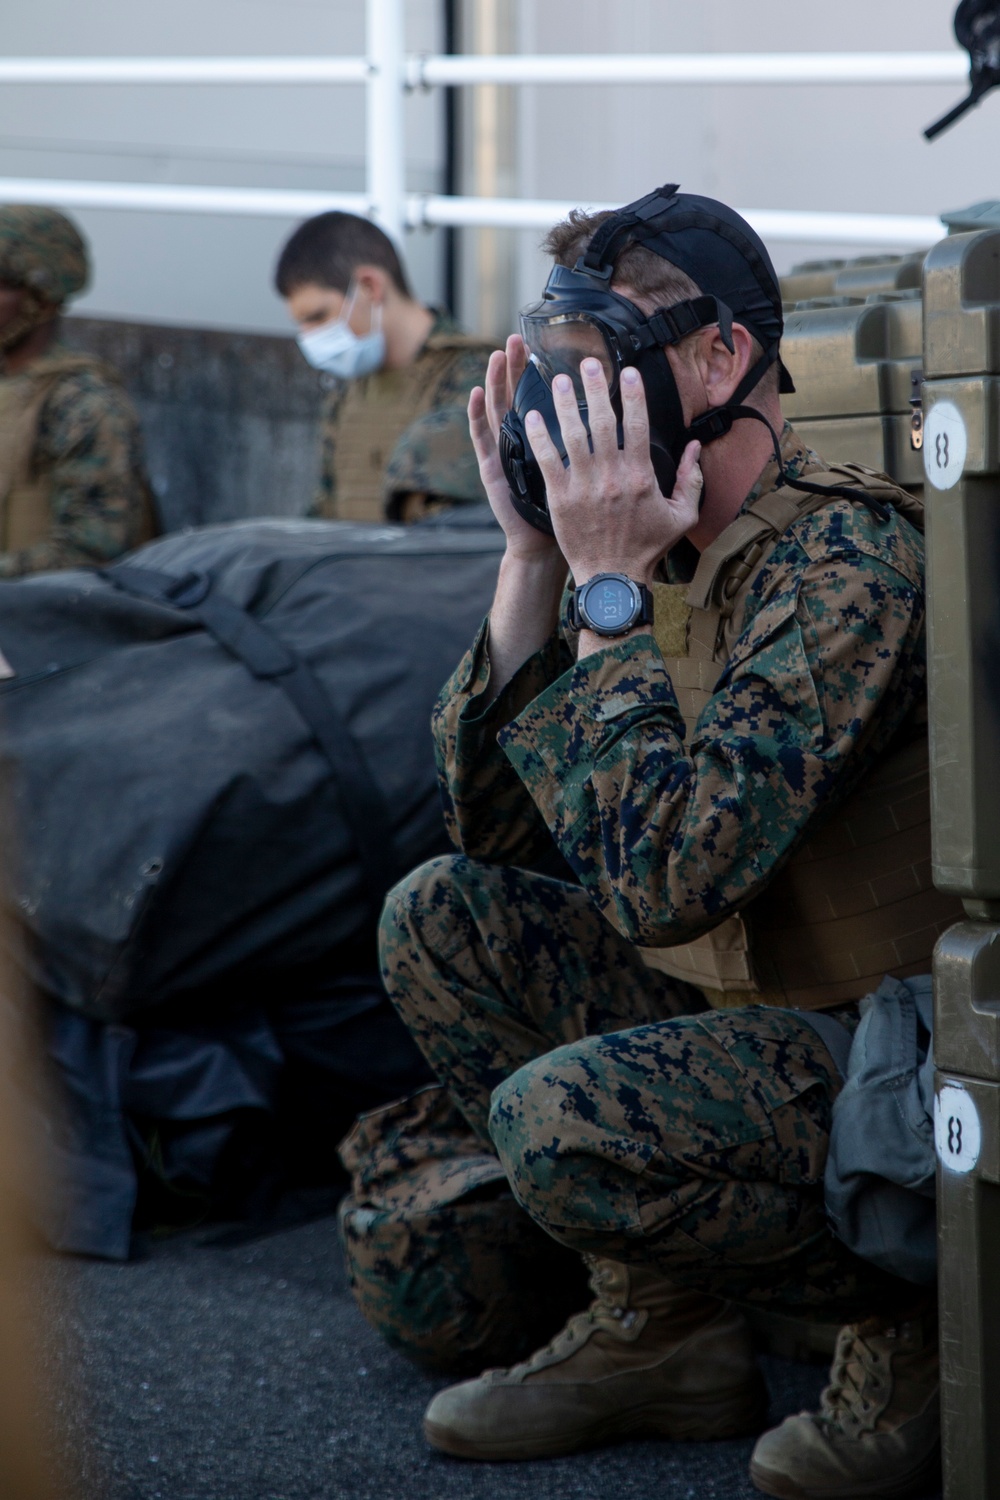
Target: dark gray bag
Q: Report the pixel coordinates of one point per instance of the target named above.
(219, 748)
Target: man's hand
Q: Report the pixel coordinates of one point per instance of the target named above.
(533, 571)
(487, 410)
(607, 510)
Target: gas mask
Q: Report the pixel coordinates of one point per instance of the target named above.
(579, 316)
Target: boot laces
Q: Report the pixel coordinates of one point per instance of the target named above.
(858, 1377)
(603, 1312)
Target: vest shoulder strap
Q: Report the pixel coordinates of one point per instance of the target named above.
(719, 584)
(909, 506)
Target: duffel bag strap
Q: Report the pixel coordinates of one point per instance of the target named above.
(268, 658)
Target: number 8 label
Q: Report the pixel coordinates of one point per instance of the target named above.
(946, 445)
(957, 1132)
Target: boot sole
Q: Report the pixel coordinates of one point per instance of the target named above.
(917, 1482)
(679, 1421)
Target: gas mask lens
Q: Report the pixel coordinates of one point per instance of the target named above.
(557, 345)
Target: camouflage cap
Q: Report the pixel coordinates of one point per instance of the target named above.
(42, 250)
(434, 457)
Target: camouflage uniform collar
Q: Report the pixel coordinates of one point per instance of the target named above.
(681, 563)
(796, 459)
(60, 359)
(443, 322)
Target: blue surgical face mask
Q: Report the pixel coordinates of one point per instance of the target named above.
(337, 349)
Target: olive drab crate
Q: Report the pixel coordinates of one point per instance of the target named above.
(853, 346)
(961, 452)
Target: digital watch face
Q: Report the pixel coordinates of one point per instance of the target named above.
(609, 604)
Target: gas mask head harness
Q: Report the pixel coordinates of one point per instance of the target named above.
(579, 316)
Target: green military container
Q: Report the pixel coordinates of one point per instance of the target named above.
(851, 278)
(856, 366)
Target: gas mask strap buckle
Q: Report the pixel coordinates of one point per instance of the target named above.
(599, 257)
(668, 325)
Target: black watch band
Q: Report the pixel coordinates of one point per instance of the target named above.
(610, 604)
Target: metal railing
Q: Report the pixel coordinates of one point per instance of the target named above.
(387, 74)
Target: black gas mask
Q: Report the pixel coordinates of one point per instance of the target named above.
(579, 316)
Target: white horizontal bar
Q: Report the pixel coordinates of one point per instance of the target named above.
(431, 209)
(685, 68)
(771, 224)
(282, 203)
(183, 69)
(486, 213)
(916, 230)
(695, 67)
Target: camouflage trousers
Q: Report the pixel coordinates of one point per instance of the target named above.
(628, 1122)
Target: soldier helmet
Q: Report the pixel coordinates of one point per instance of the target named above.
(434, 457)
(42, 250)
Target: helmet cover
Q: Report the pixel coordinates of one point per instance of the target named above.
(42, 250)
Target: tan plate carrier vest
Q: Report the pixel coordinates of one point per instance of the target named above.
(373, 416)
(25, 499)
(856, 901)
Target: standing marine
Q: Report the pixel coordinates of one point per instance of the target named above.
(73, 491)
(394, 362)
(720, 729)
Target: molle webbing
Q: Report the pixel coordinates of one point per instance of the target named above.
(373, 416)
(856, 900)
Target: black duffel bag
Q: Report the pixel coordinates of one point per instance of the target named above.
(218, 749)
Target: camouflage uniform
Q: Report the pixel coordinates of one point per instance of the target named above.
(464, 367)
(88, 452)
(433, 467)
(70, 442)
(695, 1142)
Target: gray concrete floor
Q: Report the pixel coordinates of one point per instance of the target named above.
(214, 1370)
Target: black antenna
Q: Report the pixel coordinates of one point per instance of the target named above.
(977, 29)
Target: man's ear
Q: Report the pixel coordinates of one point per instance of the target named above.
(373, 282)
(722, 371)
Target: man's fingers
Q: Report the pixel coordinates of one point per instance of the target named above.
(497, 404)
(517, 363)
(689, 482)
(601, 419)
(544, 450)
(635, 417)
(479, 427)
(574, 434)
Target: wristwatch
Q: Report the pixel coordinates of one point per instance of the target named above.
(610, 604)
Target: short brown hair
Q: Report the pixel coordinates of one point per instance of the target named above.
(327, 250)
(654, 282)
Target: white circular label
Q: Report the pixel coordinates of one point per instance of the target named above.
(945, 445)
(958, 1135)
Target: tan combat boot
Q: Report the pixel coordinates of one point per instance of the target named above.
(877, 1431)
(647, 1359)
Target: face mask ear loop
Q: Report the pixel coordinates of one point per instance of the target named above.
(376, 318)
(350, 297)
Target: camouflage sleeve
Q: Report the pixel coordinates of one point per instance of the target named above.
(466, 370)
(668, 843)
(324, 504)
(90, 447)
(488, 811)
